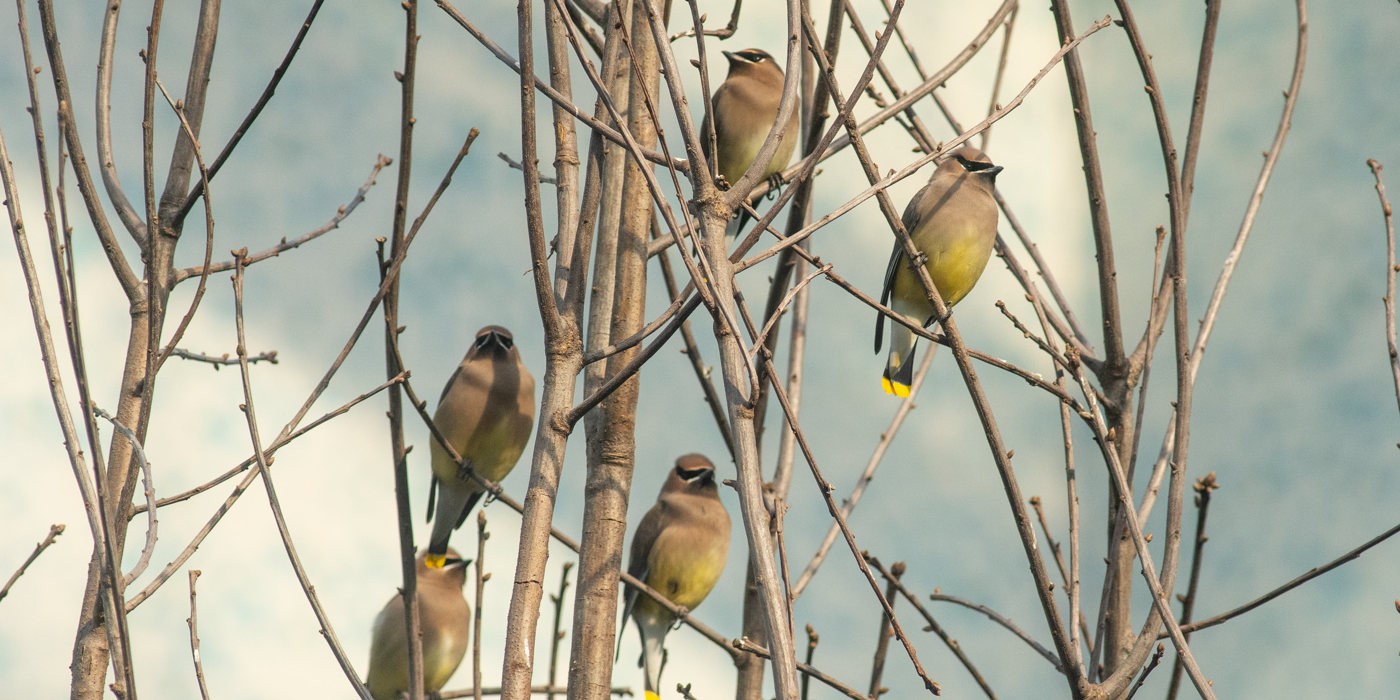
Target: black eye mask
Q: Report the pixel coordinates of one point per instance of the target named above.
(692, 474)
(504, 341)
(973, 166)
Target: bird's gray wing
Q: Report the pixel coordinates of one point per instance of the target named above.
(911, 218)
(637, 564)
(450, 381)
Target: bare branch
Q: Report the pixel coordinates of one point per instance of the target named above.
(252, 113)
(140, 454)
(1246, 226)
(110, 589)
(1310, 575)
(285, 245)
(481, 578)
(54, 532)
(1390, 271)
(1142, 678)
(608, 132)
(933, 626)
(1203, 487)
(189, 134)
(1002, 620)
(193, 622)
(251, 415)
(271, 449)
(130, 283)
(849, 504)
(545, 179)
(219, 360)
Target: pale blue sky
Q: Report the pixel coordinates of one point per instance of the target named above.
(1294, 407)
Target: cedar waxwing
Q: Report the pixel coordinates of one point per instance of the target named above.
(679, 549)
(952, 221)
(745, 110)
(486, 411)
(446, 620)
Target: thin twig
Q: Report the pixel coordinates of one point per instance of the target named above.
(252, 113)
(250, 414)
(188, 131)
(722, 33)
(393, 363)
(692, 352)
(1246, 226)
(107, 165)
(1161, 605)
(218, 360)
(759, 341)
(54, 532)
(623, 691)
(1001, 71)
(140, 453)
(746, 645)
(1203, 488)
(937, 629)
(882, 642)
(545, 179)
(558, 636)
(812, 640)
(849, 505)
(1310, 575)
(1000, 619)
(285, 245)
(1390, 270)
(193, 622)
(1142, 678)
(1059, 561)
(481, 578)
(271, 449)
(825, 487)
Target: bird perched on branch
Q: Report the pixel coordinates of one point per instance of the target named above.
(953, 223)
(745, 110)
(486, 412)
(679, 549)
(446, 621)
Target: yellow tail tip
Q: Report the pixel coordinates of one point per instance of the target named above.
(900, 390)
(435, 561)
(652, 696)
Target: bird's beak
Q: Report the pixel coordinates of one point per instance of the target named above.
(992, 171)
(729, 55)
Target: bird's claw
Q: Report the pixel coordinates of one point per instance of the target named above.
(775, 181)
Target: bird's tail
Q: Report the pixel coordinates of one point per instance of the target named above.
(653, 632)
(453, 505)
(899, 368)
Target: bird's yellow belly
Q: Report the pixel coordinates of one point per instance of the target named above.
(491, 453)
(954, 269)
(684, 580)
